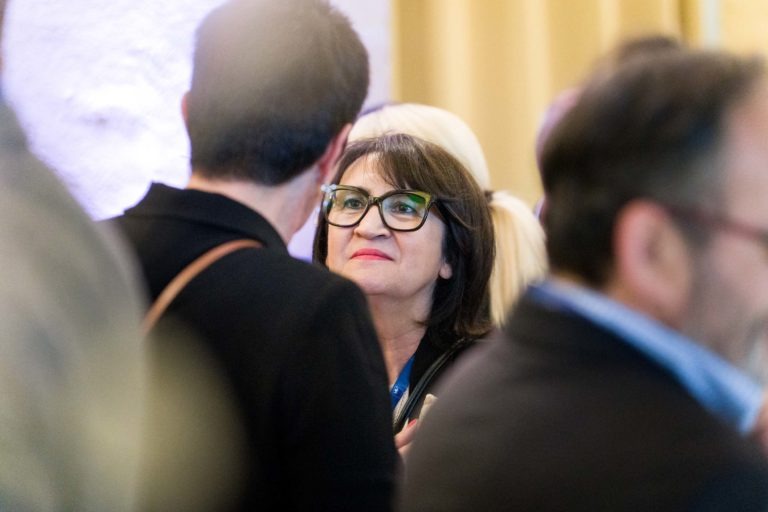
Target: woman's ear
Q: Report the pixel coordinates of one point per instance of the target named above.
(446, 270)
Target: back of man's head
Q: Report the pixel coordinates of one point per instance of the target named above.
(273, 83)
(650, 128)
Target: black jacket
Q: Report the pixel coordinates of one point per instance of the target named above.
(295, 343)
(434, 357)
(558, 414)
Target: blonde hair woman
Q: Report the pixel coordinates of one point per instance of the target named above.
(520, 254)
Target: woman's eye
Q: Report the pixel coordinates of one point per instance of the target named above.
(352, 203)
(402, 208)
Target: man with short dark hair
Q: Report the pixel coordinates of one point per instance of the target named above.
(622, 382)
(275, 87)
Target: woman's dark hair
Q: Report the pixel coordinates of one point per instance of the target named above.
(460, 304)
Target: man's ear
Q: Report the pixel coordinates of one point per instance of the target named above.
(652, 262)
(184, 113)
(326, 164)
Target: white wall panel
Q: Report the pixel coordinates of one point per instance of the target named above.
(98, 83)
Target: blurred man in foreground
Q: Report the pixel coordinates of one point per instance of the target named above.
(275, 87)
(72, 375)
(620, 383)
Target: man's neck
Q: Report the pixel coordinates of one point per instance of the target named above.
(618, 291)
(285, 206)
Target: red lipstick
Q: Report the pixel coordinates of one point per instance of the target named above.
(370, 254)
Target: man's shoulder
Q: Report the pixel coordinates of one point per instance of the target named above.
(273, 284)
(283, 273)
(596, 435)
(526, 400)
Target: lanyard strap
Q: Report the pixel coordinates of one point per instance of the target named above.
(401, 384)
(420, 388)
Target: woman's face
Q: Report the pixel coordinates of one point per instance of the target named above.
(392, 264)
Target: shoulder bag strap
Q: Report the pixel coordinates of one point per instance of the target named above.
(421, 386)
(189, 272)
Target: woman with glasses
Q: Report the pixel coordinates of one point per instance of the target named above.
(519, 239)
(407, 222)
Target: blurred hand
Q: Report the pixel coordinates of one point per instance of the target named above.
(761, 428)
(429, 401)
(404, 437)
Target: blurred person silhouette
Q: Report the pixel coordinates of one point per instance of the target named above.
(645, 47)
(520, 255)
(621, 382)
(72, 368)
(406, 221)
(275, 88)
(553, 114)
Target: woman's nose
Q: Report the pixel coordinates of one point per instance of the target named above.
(371, 224)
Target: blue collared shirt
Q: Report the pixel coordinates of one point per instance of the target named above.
(716, 384)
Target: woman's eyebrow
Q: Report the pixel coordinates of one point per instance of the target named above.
(367, 191)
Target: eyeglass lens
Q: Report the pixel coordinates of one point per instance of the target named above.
(402, 211)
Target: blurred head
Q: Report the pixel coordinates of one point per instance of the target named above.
(442, 264)
(652, 176)
(272, 84)
(432, 124)
(3, 3)
(646, 47)
(519, 247)
(553, 115)
(643, 47)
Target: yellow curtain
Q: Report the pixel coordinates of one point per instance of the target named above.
(498, 63)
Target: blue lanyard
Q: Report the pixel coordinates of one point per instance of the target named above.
(401, 384)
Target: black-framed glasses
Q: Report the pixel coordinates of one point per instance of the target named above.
(719, 221)
(400, 210)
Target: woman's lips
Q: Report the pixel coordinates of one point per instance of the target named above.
(370, 254)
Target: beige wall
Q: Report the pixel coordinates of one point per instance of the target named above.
(744, 25)
(498, 63)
